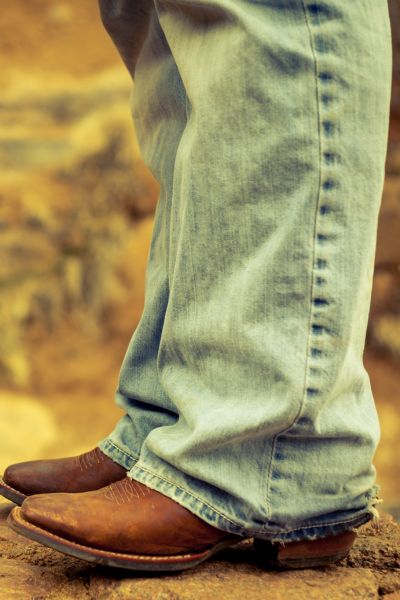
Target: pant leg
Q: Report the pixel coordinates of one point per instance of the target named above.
(276, 189)
(159, 114)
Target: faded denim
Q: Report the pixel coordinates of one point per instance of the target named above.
(244, 391)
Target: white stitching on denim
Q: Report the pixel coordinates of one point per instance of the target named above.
(108, 441)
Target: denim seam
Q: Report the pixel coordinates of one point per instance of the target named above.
(269, 475)
(109, 441)
(313, 256)
(163, 478)
(316, 220)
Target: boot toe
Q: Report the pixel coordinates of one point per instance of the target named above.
(65, 515)
(47, 511)
(16, 476)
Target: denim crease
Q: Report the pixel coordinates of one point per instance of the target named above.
(245, 395)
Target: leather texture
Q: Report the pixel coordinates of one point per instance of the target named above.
(125, 516)
(85, 472)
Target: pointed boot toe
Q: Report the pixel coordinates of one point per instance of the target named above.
(12, 483)
(86, 472)
(45, 511)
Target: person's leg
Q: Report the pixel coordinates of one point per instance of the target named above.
(248, 395)
(159, 113)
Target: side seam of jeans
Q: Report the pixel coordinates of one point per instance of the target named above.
(307, 390)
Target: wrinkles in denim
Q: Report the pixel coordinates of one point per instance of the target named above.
(245, 395)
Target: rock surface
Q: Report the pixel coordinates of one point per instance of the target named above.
(29, 570)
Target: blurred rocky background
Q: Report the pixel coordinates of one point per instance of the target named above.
(76, 205)
(384, 330)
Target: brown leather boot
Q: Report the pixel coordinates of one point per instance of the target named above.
(129, 525)
(89, 471)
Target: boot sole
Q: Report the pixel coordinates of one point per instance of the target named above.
(305, 554)
(10, 493)
(135, 562)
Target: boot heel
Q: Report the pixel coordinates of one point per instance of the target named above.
(306, 554)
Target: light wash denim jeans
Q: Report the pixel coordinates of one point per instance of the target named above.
(244, 391)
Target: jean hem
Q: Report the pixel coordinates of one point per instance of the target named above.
(117, 454)
(215, 518)
(184, 497)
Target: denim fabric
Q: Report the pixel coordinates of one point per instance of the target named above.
(244, 391)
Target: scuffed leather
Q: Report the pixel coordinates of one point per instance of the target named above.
(125, 516)
(89, 471)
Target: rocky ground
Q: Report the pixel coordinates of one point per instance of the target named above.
(29, 571)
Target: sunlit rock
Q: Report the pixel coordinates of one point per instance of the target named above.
(27, 428)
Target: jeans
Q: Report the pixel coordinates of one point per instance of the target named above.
(244, 392)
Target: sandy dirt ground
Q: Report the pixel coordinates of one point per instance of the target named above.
(372, 571)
